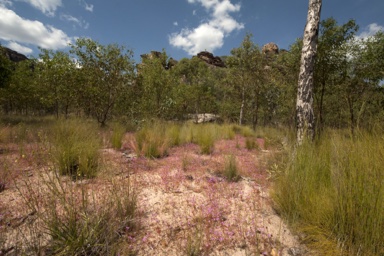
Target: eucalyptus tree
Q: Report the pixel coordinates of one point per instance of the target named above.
(304, 103)
(247, 72)
(58, 74)
(285, 69)
(154, 79)
(331, 60)
(194, 86)
(22, 93)
(361, 82)
(106, 71)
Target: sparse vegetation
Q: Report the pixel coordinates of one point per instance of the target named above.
(331, 191)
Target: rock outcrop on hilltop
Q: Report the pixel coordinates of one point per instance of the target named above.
(270, 48)
(211, 60)
(12, 55)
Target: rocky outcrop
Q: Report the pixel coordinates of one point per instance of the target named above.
(210, 59)
(203, 118)
(158, 55)
(270, 48)
(12, 55)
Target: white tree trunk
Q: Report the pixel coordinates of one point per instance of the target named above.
(304, 104)
(242, 105)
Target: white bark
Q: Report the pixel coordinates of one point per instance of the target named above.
(304, 103)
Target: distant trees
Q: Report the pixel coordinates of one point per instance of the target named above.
(102, 82)
(247, 76)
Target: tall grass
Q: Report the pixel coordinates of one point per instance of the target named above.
(76, 147)
(118, 131)
(231, 169)
(333, 191)
(151, 140)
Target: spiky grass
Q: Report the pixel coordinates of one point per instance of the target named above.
(76, 220)
(334, 191)
(151, 140)
(118, 131)
(76, 147)
(231, 169)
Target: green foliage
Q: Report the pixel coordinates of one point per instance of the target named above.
(333, 190)
(76, 147)
(106, 72)
(231, 169)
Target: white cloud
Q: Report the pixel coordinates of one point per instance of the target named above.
(370, 30)
(88, 7)
(17, 29)
(19, 48)
(48, 7)
(77, 21)
(210, 34)
(176, 23)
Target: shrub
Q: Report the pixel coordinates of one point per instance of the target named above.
(76, 148)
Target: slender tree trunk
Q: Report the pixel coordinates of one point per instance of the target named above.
(242, 106)
(304, 103)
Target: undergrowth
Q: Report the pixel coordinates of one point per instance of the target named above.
(333, 191)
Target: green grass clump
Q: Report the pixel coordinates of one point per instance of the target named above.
(333, 190)
(118, 132)
(245, 131)
(231, 170)
(151, 140)
(251, 143)
(205, 137)
(76, 147)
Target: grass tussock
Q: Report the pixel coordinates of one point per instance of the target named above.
(333, 191)
(231, 169)
(76, 148)
(76, 221)
(155, 138)
(151, 140)
(118, 132)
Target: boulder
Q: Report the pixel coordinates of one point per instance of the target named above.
(13, 55)
(208, 58)
(203, 118)
(270, 48)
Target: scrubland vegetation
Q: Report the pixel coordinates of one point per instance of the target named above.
(98, 157)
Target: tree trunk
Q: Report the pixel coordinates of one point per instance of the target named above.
(242, 106)
(304, 103)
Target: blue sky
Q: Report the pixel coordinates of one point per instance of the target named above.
(181, 27)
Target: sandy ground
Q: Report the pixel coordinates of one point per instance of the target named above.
(184, 201)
